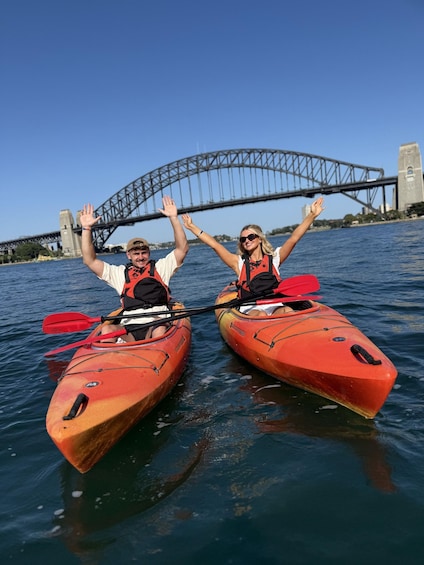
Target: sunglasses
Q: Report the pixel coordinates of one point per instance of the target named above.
(250, 237)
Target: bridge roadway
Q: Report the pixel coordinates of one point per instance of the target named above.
(253, 175)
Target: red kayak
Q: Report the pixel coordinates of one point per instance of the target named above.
(313, 348)
(107, 388)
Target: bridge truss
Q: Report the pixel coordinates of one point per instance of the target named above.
(230, 177)
(234, 177)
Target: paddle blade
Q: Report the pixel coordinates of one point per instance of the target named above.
(64, 322)
(88, 340)
(298, 298)
(301, 284)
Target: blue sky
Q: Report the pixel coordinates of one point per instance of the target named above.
(96, 93)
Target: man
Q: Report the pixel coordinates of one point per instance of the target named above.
(143, 284)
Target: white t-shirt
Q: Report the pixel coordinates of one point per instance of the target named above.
(267, 308)
(114, 276)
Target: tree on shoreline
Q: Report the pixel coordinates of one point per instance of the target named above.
(415, 209)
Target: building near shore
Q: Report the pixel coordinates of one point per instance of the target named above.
(306, 210)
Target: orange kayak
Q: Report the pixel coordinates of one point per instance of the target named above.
(107, 388)
(313, 348)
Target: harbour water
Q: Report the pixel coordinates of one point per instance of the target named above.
(233, 467)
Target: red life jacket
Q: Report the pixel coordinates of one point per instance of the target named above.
(144, 288)
(265, 277)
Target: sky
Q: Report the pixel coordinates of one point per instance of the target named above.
(96, 93)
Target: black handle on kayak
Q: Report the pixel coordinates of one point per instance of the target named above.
(81, 399)
(359, 350)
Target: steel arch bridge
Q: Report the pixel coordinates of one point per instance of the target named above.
(233, 177)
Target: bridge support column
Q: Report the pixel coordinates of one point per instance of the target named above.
(71, 242)
(410, 177)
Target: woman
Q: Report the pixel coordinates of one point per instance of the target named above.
(257, 264)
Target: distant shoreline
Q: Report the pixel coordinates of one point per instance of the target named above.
(195, 242)
(386, 222)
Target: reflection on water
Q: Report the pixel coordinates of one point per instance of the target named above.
(56, 367)
(138, 474)
(326, 421)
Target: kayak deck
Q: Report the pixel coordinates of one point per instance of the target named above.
(107, 388)
(314, 348)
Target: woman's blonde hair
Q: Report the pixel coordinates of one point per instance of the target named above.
(266, 246)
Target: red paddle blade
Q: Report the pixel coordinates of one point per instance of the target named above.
(289, 299)
(301, 284)
(64, 322)
(86, 341)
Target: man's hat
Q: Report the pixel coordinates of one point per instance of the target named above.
(137, 243)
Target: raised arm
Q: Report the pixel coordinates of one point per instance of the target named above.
(87, 221)
(287, 247)
(230, 259)
(181, 245)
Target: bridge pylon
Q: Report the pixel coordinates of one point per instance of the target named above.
(71, 242)
(410, 176)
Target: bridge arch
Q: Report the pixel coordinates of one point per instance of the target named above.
(229, 178)
(224, 178)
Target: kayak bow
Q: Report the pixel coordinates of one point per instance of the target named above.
(313, 348)
(107, 388)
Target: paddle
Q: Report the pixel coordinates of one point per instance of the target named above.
(65, 322)
(284, 299)
(86, 341)
(308, 281)
(178, 316)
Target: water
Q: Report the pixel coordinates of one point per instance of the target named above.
(233, 467)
